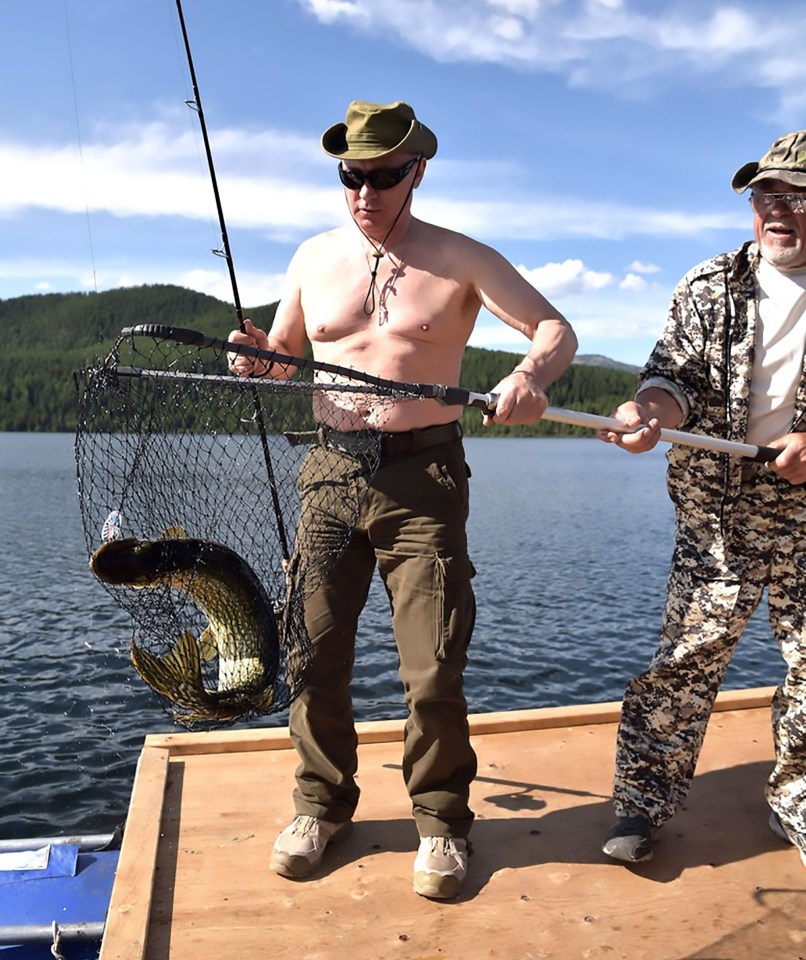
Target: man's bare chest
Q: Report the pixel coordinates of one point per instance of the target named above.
(397, 299)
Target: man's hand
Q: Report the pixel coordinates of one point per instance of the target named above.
(520, 399)
(791, 461)
(245, 366)
(645, 433)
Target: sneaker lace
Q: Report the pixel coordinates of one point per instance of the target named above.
(303, 825)
(445, 846)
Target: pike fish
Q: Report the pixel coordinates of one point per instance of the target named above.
(242, 627)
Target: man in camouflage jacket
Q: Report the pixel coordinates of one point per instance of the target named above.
(730, 363)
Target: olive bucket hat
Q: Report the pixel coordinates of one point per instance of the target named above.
(785, 160)
(374, 130)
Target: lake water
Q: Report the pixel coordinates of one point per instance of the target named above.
(571, 540)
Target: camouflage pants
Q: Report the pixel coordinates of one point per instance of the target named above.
(666, 709)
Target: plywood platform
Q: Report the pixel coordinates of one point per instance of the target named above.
(193, 880)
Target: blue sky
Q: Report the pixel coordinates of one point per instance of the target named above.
(592, 142)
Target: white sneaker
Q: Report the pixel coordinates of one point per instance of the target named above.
(780, 831)
(299, 849)
(440, 867)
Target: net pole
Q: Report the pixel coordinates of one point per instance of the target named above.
(717, 444)
(457, 396)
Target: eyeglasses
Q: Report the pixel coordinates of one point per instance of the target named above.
(763, 202)
(377, 179)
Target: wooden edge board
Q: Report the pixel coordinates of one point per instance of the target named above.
(389, 731)
(127, 919)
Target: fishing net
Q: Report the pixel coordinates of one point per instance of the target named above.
(213, 506)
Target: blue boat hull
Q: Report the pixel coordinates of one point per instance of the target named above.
(68, 898)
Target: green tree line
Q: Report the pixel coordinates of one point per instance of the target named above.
(49, 338)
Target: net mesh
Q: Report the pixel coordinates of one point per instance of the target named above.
(202, 497)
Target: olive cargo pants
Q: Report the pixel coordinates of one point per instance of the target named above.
(413, 526)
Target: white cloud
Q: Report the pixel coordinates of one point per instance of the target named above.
(729, 31)
(254, 289)
(600, 42)
(555, 280)
(638, 266)
(526, 219)
(149, 172)
(633, 282)
(605, 320)
(329, 10)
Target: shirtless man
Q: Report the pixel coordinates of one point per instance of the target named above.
(398, 298)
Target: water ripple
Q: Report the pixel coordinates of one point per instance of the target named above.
(571, 543)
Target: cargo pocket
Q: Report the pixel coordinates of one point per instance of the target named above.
(455, 606)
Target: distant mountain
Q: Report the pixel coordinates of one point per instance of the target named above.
(597, 360)
(48, 337)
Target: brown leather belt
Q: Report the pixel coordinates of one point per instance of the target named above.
(408, 442)
(402, 443)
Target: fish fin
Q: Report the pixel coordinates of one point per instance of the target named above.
(263, 700)
(177, 675)
(208, 644)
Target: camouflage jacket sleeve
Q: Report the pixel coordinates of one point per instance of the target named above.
(703, 356)
(706, 342)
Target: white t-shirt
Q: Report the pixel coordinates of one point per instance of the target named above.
(779, 346)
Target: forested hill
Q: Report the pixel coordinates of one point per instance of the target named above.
(47, 337)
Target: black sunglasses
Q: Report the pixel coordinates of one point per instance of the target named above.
(377, 179)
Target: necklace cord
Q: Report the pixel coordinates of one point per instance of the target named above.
(378, 251)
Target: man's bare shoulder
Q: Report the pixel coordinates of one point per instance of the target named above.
(451, 242)
(320, 242)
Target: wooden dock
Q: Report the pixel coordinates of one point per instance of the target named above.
(193, 879)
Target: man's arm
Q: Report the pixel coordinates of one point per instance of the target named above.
(510, 297)
(287, 334)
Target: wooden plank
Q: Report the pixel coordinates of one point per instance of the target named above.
(720, 885)
(391, 731)
(129, 913)
(220, 741)
(744, 699)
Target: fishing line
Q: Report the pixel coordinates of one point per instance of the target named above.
(195, 104)
(193, 127)
(81, 156)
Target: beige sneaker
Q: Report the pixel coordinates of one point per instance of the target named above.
(299, 849)
(440, 867)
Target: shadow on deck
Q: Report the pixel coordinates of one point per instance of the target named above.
(193, 879)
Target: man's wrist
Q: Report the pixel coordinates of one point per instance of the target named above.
(530, 375)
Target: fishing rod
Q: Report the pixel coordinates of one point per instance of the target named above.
(224, 252)
(447, 395)
(196, 105)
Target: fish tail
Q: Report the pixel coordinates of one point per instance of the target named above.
(177, 675)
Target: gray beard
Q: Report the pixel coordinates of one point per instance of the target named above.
(784, 258)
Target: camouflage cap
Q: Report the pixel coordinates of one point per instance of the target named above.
(785, 160)
(377, 129)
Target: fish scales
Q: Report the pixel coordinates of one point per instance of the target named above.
(242, 626)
